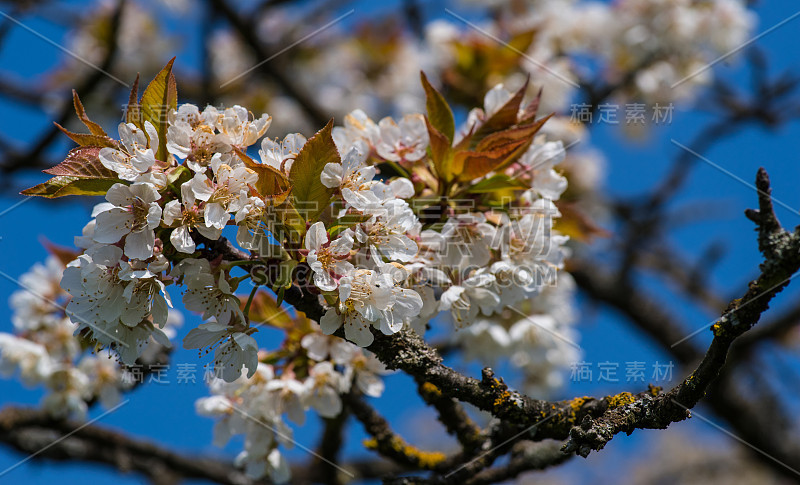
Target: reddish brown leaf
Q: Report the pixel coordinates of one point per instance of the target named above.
(133, 112)
(94, 128)
(62, 185)
(87, 139)
(470, 165)
(82, 162)
(271, 182)
(515, 133)
(576, 224)
(529, 112)
(63, 253)
(504, 118)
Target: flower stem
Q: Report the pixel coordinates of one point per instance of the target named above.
(246, 310)
(227, 266)
(234, 282)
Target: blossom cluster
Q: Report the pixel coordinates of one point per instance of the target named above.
(256, 406)
(47, 347)
(385, 224)
(118, 285)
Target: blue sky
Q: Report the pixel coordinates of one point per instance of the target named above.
(165, 413)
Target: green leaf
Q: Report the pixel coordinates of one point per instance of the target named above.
(285, 276)
(496, 183)
(65, 185)
(293, 222)
(94, 128)
(309, 197)
(158, 100)
(520, 42)
(87, 139)
(280, 293)
(83, 162)
(178, 175)
(439, 112)
(441, 152)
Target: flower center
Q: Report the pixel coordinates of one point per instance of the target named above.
(360, 291)
(140, 211)
(190, 217)
(222, 196)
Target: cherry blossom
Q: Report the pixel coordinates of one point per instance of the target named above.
(323, 387)
(104, 307)
(358, 129)
(354, 178)
(386, 233)
(236, 125)
(224, 194)
(388, 252)
(208, 294)
(403, 142)
(134, 215)
(187, 215)
(328, 258)
(370, 298)
(280, 156)
(466, 299)
(538, 163)
(192, 136)
(136, 155)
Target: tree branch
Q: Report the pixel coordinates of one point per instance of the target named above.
(330, 445)
(34, 431)
(387, 442)
(781, 250)
(16, 162)
(525, 456)
(452, 415)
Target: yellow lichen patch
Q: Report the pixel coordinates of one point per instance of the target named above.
(654, 390)
(718, 329)
(502, 400)
(575, 405)
(578, 403)
(427, 460)
(431, 390)
(620, 399)
(496, 384)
